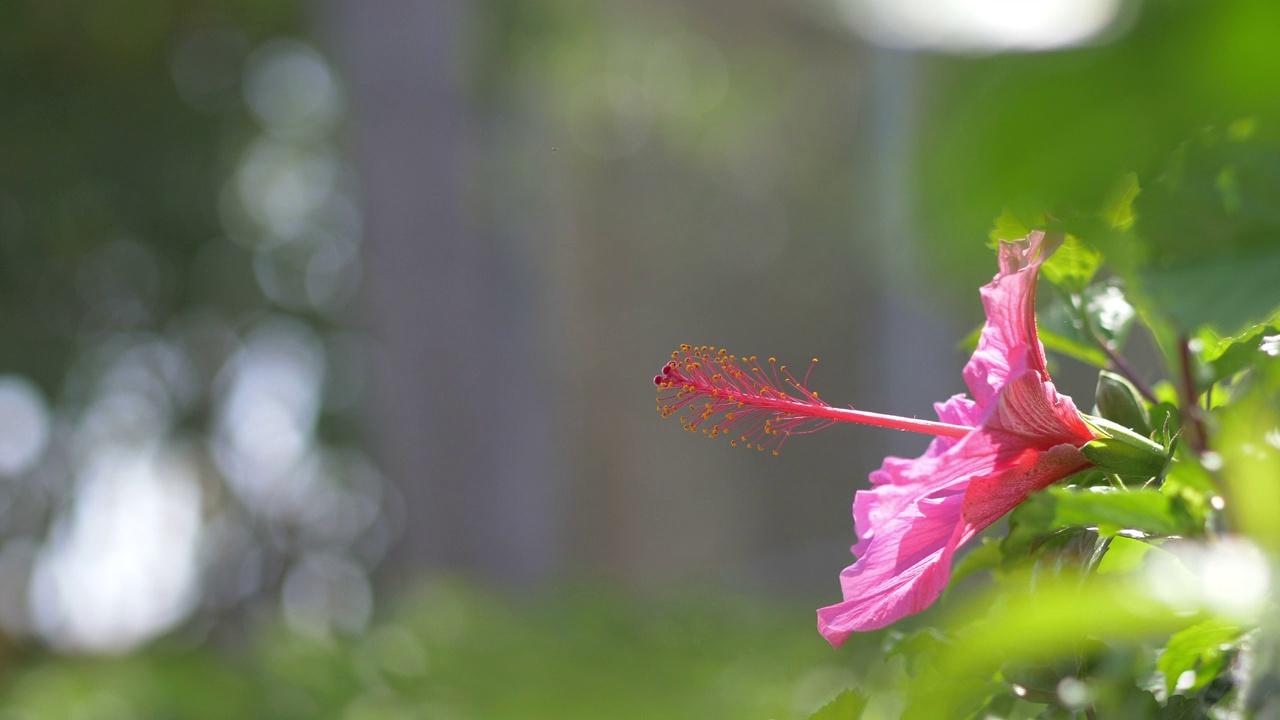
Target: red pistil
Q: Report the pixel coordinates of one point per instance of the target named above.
(754, 404)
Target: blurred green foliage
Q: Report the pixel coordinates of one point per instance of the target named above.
(1158, 152)
(453, 651)
(1057, 134)
(98, 147)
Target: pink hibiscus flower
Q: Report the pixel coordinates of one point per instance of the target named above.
(1025, 436)
(1016, 436)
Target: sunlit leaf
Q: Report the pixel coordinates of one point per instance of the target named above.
(1224, 357)
(1119, 211)
(1088, 354)
(1073, 266)
(1124, 555)
(1195, 647)
(1249, 443)
(1054, 620)
(912, 646)
(848, 705)
(1008, 227)
(1149, 511)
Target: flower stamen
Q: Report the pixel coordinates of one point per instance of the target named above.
(761, 408)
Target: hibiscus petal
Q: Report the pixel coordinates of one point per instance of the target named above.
(902, 481)
(903, 572)
(1021, 471)
(909, 525)
(1010, 331)
(1030, 406)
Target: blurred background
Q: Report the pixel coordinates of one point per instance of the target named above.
(327, 329)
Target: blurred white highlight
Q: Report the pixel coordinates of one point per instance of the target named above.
(121, 567)
(1230, 578)
(24, 424)
(270, 394)
(980, 25)
(291, 90)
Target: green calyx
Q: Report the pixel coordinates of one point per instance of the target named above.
(1122, 451)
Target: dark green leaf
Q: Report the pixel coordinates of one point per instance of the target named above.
(1228, 291)
(1213, 222)
(1181, 708)
(985, 557)
(848, 705)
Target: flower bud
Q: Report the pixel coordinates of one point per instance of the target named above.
(1119, 401)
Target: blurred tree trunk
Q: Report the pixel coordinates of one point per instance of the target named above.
(459, 422)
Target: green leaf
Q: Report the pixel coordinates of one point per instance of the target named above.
(925, 642)
(1229, 290)
(970, 341)
(1119, 211)
(1063, 345)
(985, 557)
(1055, 619)
(1008, 227)
(848, 705)
(1224, 357)
(1073, 266)
(1250, 466)
(1149, 511)
(1124, 555)
(1193, 488)
(1212, 222)
(1196, 648)
(1182, 708)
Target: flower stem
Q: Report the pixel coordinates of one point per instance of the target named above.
(1193, 421)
